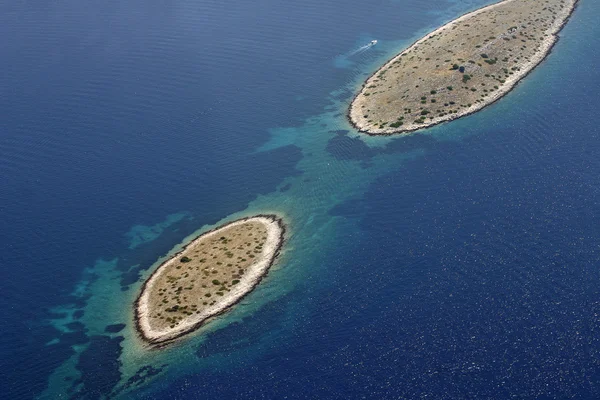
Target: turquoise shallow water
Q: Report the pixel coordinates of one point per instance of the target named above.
(453, 263)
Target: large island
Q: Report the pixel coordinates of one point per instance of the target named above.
(212, 273)
(461, 67)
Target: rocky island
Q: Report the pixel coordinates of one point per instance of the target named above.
(212, 273)
(461, 67)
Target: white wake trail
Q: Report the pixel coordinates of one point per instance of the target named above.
(360, 50)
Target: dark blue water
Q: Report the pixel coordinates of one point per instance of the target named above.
(458, 263)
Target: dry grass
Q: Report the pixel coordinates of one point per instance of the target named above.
(205, 274)
(495, 46)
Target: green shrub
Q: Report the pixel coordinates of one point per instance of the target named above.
(185, 259)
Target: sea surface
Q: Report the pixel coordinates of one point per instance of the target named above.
(459, 262)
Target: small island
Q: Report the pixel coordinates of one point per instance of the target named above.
(459, 68)
(212, 273)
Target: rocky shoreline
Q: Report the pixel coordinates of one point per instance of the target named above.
(259, 269)
(525, 69)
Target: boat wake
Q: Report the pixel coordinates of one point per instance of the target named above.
(363, 48)
(344, 60)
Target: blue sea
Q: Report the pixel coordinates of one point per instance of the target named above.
(459, 262)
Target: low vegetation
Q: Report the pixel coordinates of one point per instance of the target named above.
(459, 68)
(205, 271)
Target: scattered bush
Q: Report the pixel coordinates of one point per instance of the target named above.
(185, 259)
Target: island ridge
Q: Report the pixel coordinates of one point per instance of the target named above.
(459, 68)
(212, 273)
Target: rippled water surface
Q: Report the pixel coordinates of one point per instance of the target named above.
(459, 262)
